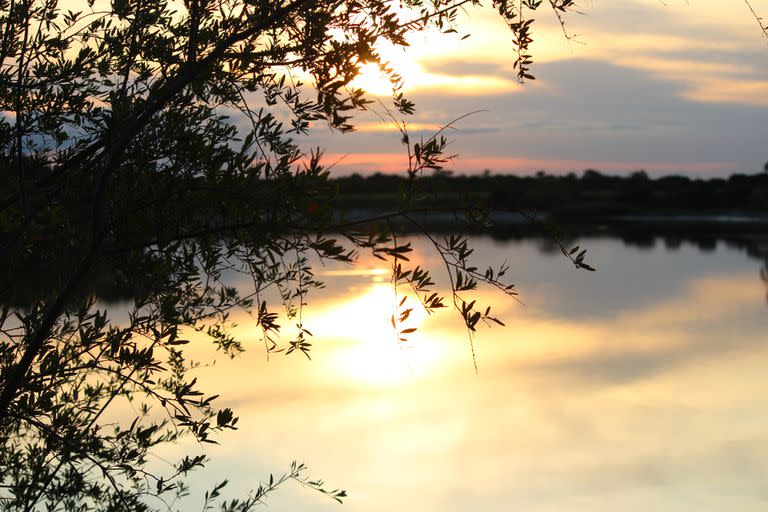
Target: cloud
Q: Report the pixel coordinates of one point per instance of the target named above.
(461, 67)
(585, 113)
(714, 50)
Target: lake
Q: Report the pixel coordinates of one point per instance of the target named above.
(641, 386)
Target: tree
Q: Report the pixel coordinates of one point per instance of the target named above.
(124, 164)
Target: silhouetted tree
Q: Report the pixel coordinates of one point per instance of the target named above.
(157, 147)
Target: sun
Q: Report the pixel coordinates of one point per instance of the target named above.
(419, 66)
(374, 81)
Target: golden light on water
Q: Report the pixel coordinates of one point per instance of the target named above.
(369, 351)
(643, 377)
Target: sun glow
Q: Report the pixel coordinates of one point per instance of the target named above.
(370, 351)
(413, 65)
(374, 81)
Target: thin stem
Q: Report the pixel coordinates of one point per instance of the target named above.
(19, 109)
(763, 28)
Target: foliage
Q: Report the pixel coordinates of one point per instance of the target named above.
(151, 146)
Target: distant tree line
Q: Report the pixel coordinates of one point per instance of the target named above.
(589, 195)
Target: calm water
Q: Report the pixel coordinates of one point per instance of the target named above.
(639, 387)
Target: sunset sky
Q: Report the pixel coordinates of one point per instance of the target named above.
(669, 87)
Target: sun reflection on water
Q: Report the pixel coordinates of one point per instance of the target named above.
(659, 393)
(369, 351)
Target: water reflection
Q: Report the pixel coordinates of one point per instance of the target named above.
(638, 387)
